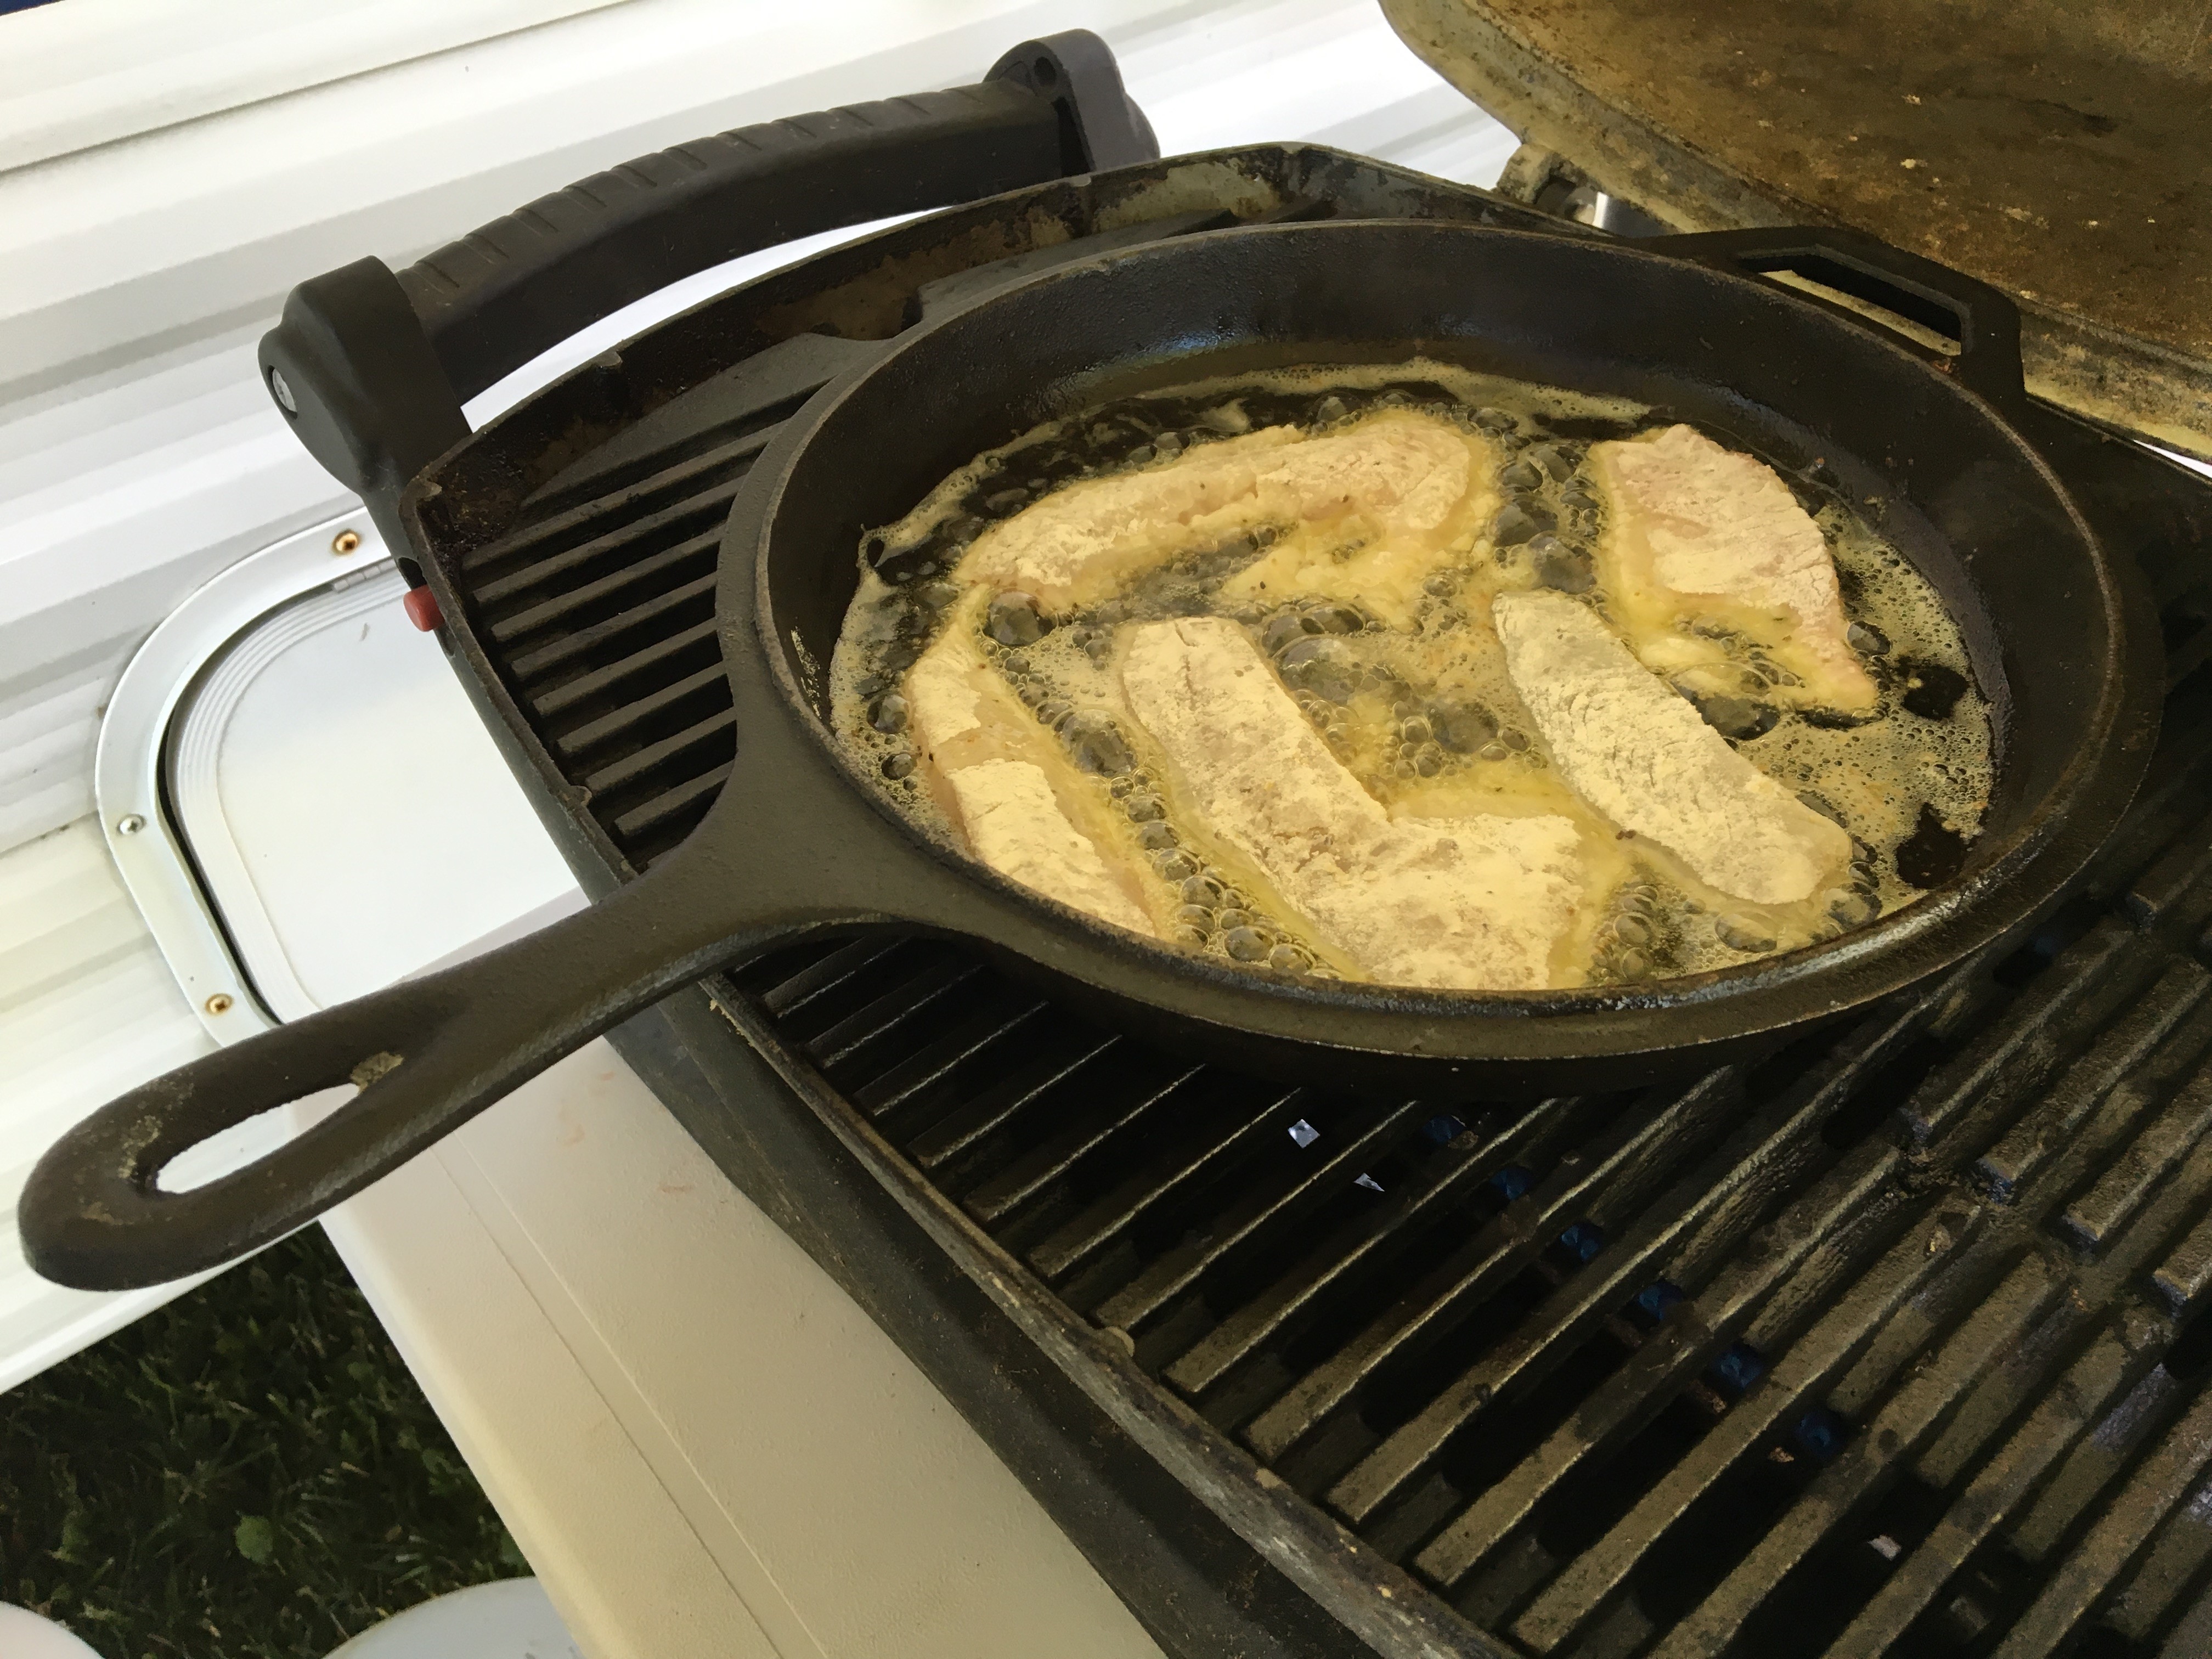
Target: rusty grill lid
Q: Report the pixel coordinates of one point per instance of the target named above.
(2062, 152)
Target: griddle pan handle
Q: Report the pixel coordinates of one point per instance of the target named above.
(425, 1055)
(1985, 323)
(371, 367)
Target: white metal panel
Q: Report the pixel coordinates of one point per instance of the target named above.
(96, 70)
(87, 1009)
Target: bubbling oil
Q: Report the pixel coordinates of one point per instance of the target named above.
(1406, 681)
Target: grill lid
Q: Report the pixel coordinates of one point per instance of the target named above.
(2056, 151)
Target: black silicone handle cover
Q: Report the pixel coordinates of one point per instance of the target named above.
(371, 367)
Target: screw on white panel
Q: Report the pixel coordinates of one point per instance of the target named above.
(346, 541)
(129, 824)
(219, 1003)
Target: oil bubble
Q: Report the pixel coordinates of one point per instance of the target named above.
(1522, 520)
(1462, 727)
(1176, 864)
(1742, 934)
(1203, 889)
(1247, 944)
(1014, 618)
(1096, 745)
(1560, 565)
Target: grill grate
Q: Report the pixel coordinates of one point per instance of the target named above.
(1876, 1348)
(1888, 1345)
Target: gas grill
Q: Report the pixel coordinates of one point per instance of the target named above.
(1889, 1344)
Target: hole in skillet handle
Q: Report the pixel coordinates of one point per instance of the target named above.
(1962, 326)
(247, 1141)
(191, 1169)
(230, 1150)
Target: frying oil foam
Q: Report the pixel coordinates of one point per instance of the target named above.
(1409, 685)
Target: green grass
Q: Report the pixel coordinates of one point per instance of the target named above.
(248, 1474)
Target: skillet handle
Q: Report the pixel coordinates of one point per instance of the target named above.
(426, 1054)
(370, 367)
(1985, 322)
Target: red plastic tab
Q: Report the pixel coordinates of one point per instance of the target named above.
(422, 607)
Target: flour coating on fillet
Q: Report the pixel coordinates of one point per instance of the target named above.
(1474, 903)
(1642, 756)
(1014, 823)
(1694, 521)
(1404, 472)
(994, 773)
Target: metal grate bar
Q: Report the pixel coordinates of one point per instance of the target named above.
(788, 998)
(2064, 1006)
(1685, 1342)
(992, 1203)
(2114, 1361)
(2174, 1565)
(2183, 1277)
(2049, 1126)
(1599, 1186)
(2175, 887)
(2163, 1480)
(2096, 1289)
(2191, 1638)
(2096, 1382)
(1846, 1484)
(1999, 1224)
(676, 489)
(705, 686)
(1470, 1161)
(688, 799)
(845, 1050)
(649, 619)
(1266, 1213)
(2098, 1213)
(1006, 1013)
(1177, 1175)
(2095, 1463)
(618, 552)
(1726, 1194)
(882, 969)
(713, 740)
(682, 651)
(603, 594)
(960, 1131)
(1811, 1365)
(2177, 791)
(1769, 1408)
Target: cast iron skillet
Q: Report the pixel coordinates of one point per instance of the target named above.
(2062, 640)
